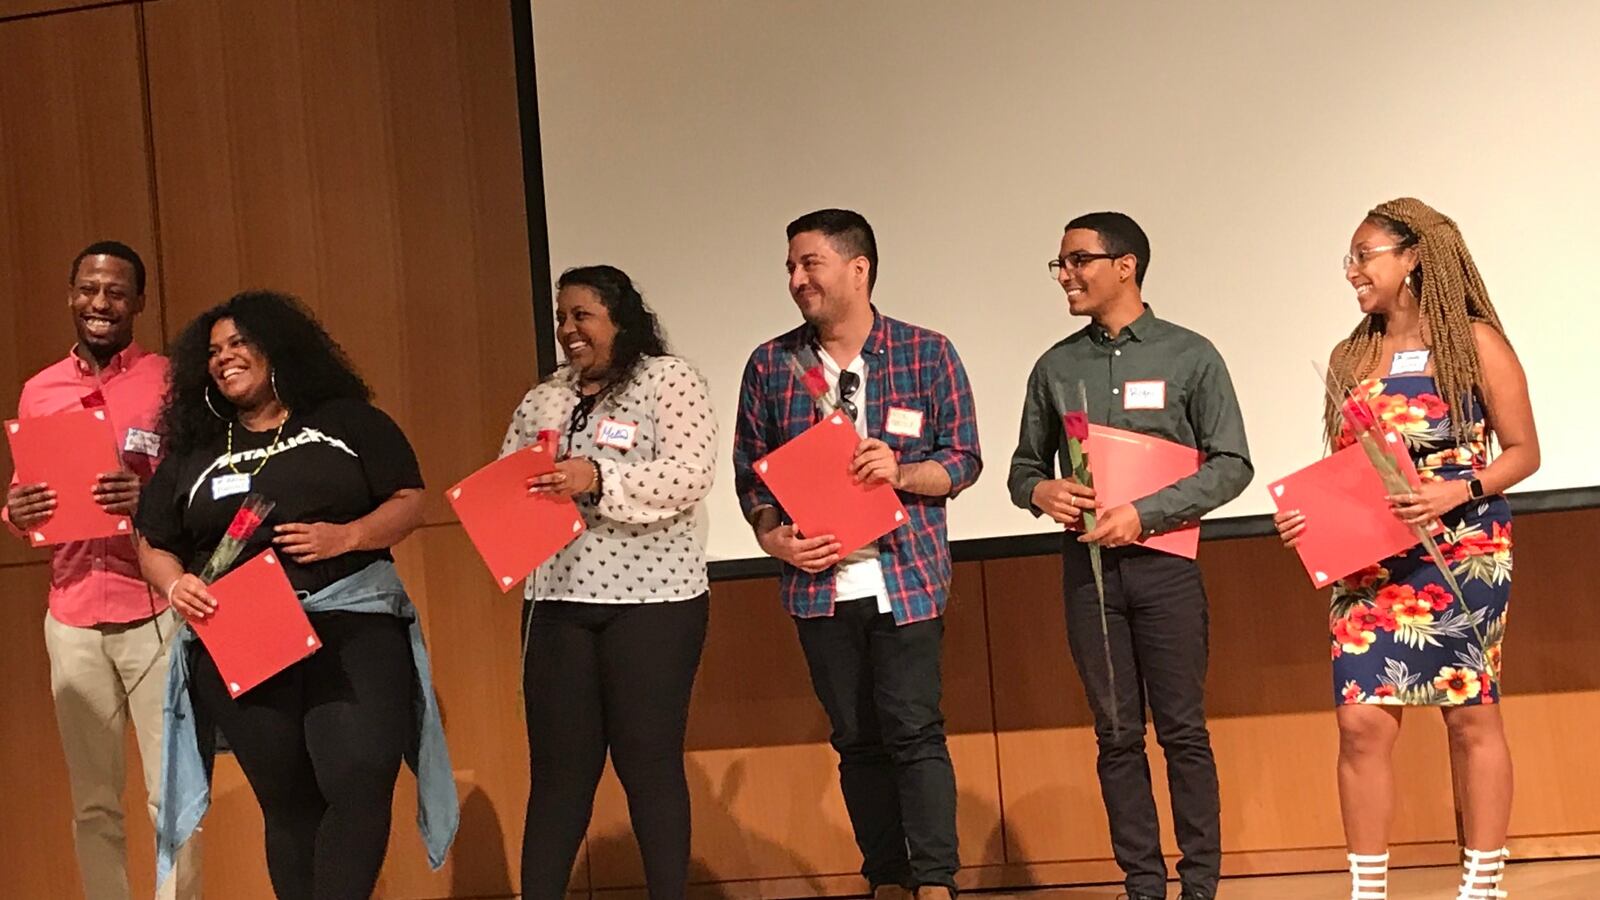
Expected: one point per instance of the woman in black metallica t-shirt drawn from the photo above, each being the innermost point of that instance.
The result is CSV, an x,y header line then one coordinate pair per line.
x,y
262,400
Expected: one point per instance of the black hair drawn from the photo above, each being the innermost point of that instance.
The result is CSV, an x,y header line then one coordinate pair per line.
x,y
309,368
638,330
1120,235
848,231
115,249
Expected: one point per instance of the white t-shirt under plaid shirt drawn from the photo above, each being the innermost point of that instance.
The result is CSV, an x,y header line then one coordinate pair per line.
x,y
643,542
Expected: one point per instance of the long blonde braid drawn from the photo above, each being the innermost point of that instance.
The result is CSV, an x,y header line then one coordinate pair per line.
x,y
1451,299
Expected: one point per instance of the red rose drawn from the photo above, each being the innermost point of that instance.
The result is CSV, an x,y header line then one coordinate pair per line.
x,y
245,522
1076,424
816,382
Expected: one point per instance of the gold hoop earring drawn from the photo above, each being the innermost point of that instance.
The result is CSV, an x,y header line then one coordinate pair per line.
x,y
207,393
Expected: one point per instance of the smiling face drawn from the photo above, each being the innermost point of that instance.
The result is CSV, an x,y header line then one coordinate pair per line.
x,y
1378,267
585,329
238,367
823,283
104,301
1092,284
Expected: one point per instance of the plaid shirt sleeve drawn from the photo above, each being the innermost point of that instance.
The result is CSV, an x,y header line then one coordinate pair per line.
x,y
956,437
751,437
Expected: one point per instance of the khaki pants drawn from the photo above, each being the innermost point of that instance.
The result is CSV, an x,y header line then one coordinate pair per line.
x,y
100,677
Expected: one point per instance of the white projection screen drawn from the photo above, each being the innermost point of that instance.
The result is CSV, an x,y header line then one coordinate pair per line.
x,y
1248,138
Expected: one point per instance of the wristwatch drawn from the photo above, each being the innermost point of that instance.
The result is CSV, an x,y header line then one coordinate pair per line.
x,y
1474,489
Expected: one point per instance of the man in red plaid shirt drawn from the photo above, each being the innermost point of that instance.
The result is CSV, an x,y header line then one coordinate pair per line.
x,y
870,621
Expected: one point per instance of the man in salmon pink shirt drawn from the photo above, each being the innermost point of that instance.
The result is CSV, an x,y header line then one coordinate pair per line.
x,y
107,634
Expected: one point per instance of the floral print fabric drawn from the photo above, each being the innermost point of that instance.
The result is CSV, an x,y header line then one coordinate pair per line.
x,y
1399,636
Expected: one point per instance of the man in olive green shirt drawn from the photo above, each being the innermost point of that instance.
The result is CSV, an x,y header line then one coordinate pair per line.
x,y
1147,375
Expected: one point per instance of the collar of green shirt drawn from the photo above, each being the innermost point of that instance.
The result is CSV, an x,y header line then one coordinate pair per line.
x,y
1136,330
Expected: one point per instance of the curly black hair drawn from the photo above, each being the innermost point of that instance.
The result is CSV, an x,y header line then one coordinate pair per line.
x,y
309,367
638,331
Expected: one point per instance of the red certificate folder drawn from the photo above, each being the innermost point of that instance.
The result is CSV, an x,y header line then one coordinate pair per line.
x,y
259,628
69,452
1128,466
514,531
811,478
1349,524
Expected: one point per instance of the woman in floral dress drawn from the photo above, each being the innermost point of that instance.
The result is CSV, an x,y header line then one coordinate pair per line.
x,y
1432,361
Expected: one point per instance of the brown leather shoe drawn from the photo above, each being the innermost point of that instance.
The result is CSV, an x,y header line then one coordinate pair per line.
x,y
890,892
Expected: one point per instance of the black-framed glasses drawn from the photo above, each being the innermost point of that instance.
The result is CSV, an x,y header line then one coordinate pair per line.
x,y
849,383
1077,260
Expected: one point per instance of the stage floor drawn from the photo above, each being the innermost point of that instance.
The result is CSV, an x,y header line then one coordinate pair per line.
x,y
1572,879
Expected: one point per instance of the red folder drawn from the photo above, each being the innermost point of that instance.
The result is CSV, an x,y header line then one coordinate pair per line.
x,y
1349,524
69,452
811,478
1128,466
259,628
514,531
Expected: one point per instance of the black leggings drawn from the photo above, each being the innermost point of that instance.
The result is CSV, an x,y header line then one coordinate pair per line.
x,y
321,744
601,675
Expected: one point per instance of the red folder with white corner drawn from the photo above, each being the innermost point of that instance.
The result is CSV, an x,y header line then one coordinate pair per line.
x,y
259,627
515,531
811,477
1128,466
1349,524
69,452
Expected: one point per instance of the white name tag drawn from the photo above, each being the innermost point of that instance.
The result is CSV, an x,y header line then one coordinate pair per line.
x,y
904,422
141,441
1409,362
1144,395
621,435
228,485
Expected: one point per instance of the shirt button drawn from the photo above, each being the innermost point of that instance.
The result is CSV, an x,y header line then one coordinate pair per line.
x,y
1116,353
1116,390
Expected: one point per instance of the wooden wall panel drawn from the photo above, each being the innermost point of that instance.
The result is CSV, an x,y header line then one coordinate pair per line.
x,y
365,156
36,824
379,178
759,762
1270,699
73,170
10,8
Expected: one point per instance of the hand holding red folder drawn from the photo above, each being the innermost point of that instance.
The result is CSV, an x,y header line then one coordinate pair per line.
x,y
68,452
1129,466
515,531
258,628
810,476
1349,523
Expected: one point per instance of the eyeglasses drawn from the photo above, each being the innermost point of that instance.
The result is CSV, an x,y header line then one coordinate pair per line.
x,y
849,383
1073,261
1360,257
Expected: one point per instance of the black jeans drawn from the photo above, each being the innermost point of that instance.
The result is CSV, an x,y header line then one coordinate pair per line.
x,y
321,744
1157,620
617,676
879,683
